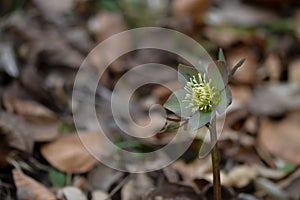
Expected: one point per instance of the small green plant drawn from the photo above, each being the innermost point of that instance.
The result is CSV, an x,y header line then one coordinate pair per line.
x,y
205,93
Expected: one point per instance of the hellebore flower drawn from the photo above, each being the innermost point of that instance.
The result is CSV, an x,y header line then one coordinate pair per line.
x,y
205,92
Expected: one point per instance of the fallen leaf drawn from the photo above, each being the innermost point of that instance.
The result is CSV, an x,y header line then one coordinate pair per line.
x,y
107,175
16,131
191,8
106,24
240,93
100,195
137,187
55,9
8,61
273,67
248,15
251,125
39,192
80,182
291,184
29,109
270,188
227,192
239,176
73,193
281,137
193,170
68,154
274,99
270,173
243,196
294,71
173,191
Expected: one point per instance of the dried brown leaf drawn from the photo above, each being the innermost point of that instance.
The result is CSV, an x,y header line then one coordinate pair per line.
x,y
29,109
294,72
282,137
39,192
73,193
137,187
68,153
191,8
16,131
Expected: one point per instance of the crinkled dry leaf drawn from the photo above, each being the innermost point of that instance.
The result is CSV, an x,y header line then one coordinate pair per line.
x,y
39,192
8,61
107,175
274,99
239,176
137,187
68,154
294,71
173,191
54,9
16,131
270,188
273,67
29,109
243,15
23,133
73,193
282,137
106,24
194,170
100,195
191,8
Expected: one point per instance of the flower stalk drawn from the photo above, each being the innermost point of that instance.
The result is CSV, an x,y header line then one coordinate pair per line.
x,y
215,158
205,93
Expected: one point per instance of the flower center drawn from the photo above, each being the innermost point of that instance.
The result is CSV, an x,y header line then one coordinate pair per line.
x,y
201,95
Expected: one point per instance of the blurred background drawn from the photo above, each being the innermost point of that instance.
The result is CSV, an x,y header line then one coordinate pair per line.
x,y
42,45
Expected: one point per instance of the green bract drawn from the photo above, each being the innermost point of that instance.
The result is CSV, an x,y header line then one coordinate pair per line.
x,y
205,92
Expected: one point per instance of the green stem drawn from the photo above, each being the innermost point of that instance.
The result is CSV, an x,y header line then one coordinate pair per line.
x,y
215,160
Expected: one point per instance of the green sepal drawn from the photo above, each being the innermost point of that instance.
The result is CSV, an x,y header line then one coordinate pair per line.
x,y
176,104
199,119
221,56
238,65
218,73
186,72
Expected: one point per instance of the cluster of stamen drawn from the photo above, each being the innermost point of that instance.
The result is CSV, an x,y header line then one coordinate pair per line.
x,y
201,94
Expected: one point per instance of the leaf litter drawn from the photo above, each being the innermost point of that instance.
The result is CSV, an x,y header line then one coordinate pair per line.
x,y
42,46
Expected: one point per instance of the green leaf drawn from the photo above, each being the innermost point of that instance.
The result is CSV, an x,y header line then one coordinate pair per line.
x,y
221,56
238,65
185,73
199,119
225,97
228,95
129,144
201,67
288,168
176,104
224,70
57,178
218,73
111,5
